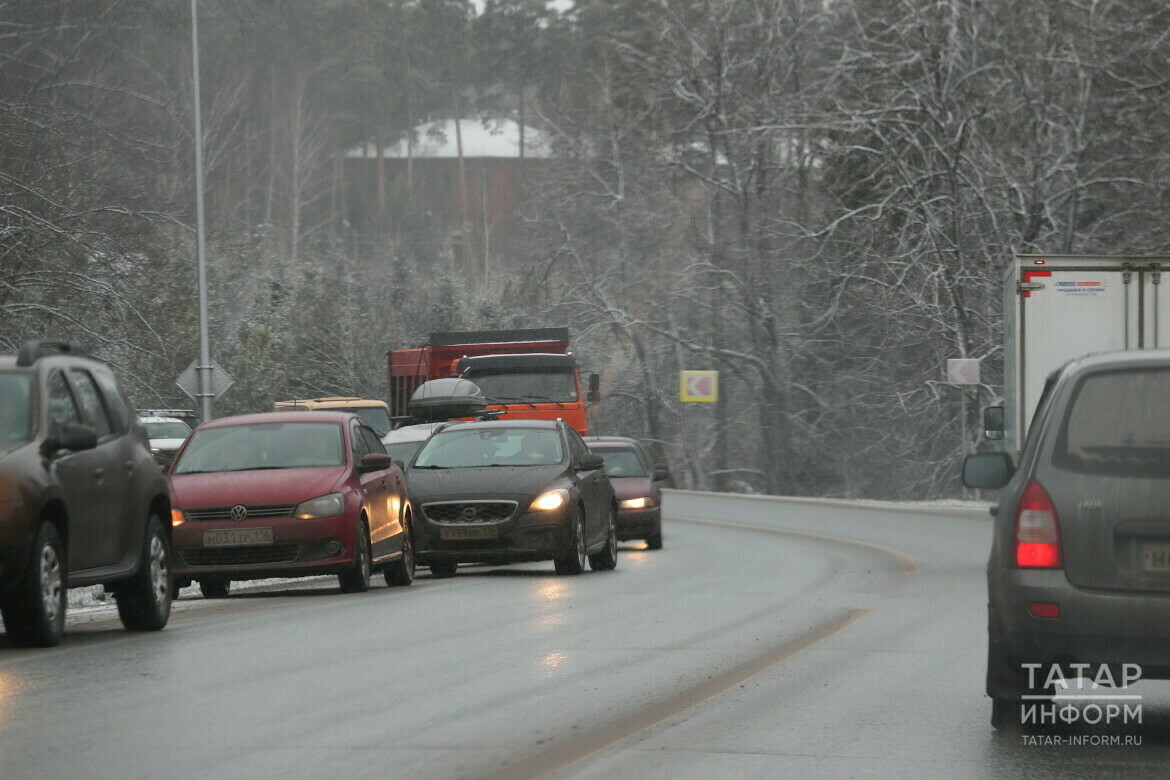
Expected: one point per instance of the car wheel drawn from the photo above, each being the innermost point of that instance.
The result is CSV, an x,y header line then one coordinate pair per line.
x,y
654,541
573,561
357,579
443,568
215,588
401,571
606,558
34,614
144,601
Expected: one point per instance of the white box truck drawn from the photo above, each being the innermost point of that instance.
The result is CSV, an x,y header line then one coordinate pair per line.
x,y
1060,307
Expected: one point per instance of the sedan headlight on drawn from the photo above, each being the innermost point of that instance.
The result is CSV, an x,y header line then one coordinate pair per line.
x,y
636,503
553,499
325,506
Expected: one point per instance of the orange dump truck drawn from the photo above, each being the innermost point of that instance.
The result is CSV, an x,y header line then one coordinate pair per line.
x,y
528,374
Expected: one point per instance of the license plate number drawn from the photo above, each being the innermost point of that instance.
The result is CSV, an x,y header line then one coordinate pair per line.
x,y
1156,556
234,537
475,532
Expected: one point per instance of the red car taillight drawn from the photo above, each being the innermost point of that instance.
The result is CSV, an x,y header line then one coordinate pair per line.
x,y
1037,530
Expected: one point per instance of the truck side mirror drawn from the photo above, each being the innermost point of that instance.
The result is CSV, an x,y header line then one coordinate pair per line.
x,y
993,422
594,394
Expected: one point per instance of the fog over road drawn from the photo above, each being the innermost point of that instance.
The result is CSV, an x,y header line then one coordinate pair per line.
x,y
769,638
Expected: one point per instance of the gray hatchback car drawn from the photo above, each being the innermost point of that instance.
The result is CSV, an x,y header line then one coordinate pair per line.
x,y
1079,575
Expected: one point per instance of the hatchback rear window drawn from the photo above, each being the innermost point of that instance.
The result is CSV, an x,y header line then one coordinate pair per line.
x,y
1118,423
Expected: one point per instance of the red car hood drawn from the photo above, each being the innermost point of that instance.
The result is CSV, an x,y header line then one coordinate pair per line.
x,y
631,487
275,487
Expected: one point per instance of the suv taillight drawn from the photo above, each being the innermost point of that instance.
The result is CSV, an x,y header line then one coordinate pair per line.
x,y
1037,530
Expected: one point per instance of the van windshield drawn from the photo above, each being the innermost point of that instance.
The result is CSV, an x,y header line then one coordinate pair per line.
x,y
1118,423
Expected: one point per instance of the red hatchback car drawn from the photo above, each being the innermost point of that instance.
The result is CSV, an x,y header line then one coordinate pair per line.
x,y
288,494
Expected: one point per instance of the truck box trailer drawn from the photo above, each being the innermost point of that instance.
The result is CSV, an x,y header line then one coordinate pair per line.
x,y
1060,307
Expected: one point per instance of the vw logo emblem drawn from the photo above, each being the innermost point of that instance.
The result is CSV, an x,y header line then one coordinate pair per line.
x,y
239,512
469,513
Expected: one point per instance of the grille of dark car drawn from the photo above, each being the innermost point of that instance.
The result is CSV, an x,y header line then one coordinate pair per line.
x,y
225,513
241,556
485,512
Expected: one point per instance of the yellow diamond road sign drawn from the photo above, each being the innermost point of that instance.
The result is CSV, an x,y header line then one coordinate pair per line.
x,y
698,386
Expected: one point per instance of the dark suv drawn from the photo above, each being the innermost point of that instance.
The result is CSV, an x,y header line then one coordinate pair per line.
x,y
82,501
1078,579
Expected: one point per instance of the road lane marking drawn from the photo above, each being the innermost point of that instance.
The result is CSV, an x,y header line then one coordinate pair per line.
x,y
591,743
905,561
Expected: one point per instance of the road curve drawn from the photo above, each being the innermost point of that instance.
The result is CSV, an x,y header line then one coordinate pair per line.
x,y
769,638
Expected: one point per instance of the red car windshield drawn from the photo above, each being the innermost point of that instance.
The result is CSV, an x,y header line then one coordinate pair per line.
x,y
620,462
287,445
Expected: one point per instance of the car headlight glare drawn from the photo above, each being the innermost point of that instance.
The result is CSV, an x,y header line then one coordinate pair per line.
x,y
325,506
553,499
637,503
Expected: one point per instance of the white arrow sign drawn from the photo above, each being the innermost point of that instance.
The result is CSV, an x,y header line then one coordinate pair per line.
x,y
963,371
698,386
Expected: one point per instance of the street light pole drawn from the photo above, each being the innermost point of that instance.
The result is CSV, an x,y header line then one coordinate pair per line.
x,y
204,369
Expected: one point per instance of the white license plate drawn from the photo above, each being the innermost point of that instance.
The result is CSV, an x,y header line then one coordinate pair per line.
x,y
234,537
473,532
1156,556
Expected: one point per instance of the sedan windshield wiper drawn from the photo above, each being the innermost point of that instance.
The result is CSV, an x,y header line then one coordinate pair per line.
x,y
432,467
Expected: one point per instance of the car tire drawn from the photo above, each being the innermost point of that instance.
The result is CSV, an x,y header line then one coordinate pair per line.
x,y
400,572
573,561
443,569
34,613
605,559
654,541
215,587
144,601
357,579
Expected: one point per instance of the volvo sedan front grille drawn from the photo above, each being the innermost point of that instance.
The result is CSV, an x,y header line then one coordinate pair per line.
x,y
225,513
252,554
457,512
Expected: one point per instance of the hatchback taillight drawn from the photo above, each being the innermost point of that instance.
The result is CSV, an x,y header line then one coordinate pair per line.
x,y
1037,530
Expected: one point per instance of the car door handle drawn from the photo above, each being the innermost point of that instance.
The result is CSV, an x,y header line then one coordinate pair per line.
x,y
129,466
99,473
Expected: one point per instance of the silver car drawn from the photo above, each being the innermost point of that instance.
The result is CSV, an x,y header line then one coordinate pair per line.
x,y
1079,576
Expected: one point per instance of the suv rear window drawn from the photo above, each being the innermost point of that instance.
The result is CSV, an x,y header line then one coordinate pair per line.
x,y
15,407
1118,423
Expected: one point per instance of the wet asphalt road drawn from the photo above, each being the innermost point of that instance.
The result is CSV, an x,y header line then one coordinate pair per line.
x,y
768,639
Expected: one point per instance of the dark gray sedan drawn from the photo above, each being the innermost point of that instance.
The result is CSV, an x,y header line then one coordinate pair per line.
x,y
506,492
1079,574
